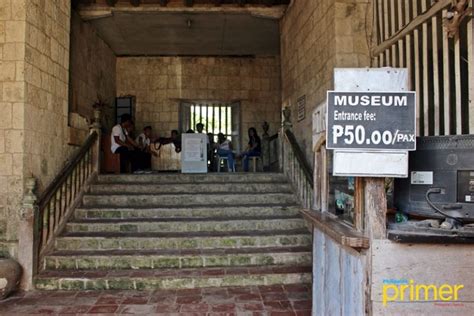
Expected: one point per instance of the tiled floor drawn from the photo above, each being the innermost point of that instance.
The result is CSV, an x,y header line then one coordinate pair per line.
x,y
264,300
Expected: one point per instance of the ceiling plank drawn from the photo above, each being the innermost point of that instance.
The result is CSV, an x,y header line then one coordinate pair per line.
x,y
96,11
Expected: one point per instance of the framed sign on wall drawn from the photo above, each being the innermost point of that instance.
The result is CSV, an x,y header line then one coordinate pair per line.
x,y
301,105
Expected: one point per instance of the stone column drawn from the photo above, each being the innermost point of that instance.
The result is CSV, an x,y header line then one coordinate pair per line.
x,y
27,254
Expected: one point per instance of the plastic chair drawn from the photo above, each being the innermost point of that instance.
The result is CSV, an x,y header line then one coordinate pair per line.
x,y
222,159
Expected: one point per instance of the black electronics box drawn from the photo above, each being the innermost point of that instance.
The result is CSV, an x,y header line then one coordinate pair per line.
x,y
445,162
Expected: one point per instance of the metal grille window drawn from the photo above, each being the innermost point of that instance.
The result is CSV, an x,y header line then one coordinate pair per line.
x,y
216,117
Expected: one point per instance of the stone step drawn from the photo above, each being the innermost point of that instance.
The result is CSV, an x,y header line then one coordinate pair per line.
x,y
196,212
185,240
186,224
174,178
171,278
163,200
177,259
216,187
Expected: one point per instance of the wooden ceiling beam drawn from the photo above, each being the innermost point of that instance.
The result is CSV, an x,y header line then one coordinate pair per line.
x,y
188,3
98,11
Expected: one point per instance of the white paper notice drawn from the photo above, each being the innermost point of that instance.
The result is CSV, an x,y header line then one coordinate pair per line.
x,y
194,149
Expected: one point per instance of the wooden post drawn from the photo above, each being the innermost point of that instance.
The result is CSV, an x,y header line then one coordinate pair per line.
x,y
375,201
446,83
375,208
286,125
470,57
266,155
27,252
96,127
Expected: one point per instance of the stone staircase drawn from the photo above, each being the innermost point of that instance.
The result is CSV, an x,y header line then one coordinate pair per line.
x,y
170,231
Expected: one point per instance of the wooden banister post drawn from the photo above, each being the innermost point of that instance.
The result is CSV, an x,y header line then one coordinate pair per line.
x,y
375,208
285,125
265,147
286,118
27,252
96,127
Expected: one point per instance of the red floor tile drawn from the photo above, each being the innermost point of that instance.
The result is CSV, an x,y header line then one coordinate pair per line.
x,y
103,309
263,300
223,308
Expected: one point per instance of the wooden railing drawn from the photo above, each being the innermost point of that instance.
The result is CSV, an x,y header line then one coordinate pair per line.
x,y
434,41
297,169
270,152
43,217
57,198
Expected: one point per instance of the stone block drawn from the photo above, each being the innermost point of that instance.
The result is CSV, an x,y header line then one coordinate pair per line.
x,y
13,91
7,71
15,31
72,285
18,9
6,164
18,163
3,184
5,10
14,141
5,117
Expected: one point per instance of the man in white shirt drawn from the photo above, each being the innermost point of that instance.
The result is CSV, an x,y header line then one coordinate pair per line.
x,y
121,145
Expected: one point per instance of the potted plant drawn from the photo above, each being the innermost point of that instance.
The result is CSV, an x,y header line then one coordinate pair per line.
x,y
99,105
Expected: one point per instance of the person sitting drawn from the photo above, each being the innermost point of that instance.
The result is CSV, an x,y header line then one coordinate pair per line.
x,y
143,142
211,151
174,139
200,128
254,148
224,149
138,154
121,145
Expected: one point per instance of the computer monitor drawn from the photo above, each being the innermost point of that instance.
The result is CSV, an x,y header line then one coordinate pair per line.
x,y
444,162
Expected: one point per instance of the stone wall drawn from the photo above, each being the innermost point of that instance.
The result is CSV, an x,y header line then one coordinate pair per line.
x,y
160,82
12,97
34,76
316,37
46,88
92,73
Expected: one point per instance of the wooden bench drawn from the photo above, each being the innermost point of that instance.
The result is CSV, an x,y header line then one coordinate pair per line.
x,y
110,162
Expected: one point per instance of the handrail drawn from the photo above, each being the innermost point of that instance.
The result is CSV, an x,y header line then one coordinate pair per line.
x,y
299,155
56,203
272,138
297,169
66,171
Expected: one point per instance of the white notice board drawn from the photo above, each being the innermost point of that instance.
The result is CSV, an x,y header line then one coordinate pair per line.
x,y
194,153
